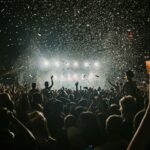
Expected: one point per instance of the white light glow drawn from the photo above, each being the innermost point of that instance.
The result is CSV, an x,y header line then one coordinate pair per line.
x,y
75,76
96,64
86,64
45,63
57,64
91,76
75,64
67,64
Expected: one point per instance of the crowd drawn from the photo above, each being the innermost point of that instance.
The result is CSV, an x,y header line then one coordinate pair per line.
x,y
66,119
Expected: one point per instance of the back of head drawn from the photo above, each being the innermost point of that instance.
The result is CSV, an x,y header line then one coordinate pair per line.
x,y
33,85
46,84
128,105
129,74
69,120
38,124
114,109
5,101
113,125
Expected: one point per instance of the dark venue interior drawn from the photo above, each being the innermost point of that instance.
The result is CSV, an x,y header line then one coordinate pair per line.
x,y
75,74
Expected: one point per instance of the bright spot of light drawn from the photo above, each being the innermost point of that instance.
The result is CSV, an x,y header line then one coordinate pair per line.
x,y
86,64
91,76
62,77
45,63
75,76
69,77
55,77
75,64
57,64
96,64
67,64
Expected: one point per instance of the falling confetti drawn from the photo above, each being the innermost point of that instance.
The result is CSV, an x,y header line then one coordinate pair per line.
x,y
114,32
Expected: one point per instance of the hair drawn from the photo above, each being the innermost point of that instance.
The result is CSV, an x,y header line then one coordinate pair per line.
x,y
46,83
38,124
113,124
130,74
33,85
128,104
69,121
5,101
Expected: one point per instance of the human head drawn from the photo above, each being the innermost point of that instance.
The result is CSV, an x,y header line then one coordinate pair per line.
x,y
33,85
127,106
5,101
129,74
46,84
113,125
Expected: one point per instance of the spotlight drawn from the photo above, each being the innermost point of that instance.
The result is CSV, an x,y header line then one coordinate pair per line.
x,y
75,76
45,63
75,64
57,64
69,77
62,77
91,76
55,77
96,64
86,64
67,64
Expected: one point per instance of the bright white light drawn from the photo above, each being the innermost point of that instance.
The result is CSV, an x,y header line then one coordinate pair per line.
x,y
69,77
96,64
75,76
57,64
67,64
91,76
86,64
45,63
62,77
55,77
76,64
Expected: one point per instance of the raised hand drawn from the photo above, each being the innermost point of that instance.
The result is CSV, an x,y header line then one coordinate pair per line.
x,y
76,84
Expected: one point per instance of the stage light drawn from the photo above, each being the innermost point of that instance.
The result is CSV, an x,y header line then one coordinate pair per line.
x,y
96,64
69,77
67,64
75,64
62,77
75,76
86,64
57,64
91,76
45,63
55,77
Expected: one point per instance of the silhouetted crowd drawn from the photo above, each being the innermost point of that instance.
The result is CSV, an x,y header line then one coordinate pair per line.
x,y
66,119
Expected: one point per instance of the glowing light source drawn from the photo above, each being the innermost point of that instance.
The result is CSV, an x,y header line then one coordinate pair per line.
x,y
86,64
91,76
75,76
45,63
75,64
55,77
96,64
57,64
67,64
69,77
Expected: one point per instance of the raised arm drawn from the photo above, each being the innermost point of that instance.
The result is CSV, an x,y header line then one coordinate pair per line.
x,y
76,84
52,82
